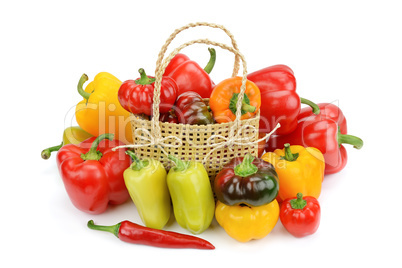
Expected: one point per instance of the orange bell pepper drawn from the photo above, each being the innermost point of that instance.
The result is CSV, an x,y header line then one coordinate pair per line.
x,y
300,170
224,97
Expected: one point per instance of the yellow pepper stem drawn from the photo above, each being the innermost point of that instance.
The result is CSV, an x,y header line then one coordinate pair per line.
x,y
180,165
289,156
138,164
81,83
48,151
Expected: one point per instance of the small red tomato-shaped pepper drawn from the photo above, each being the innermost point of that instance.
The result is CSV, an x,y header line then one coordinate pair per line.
x,y
281,103
92,173
136,96
191,109
300,215
169,117
248,180
189,76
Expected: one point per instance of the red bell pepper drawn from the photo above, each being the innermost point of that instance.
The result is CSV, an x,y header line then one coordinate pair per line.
x,y
280,102
92,173
189,76
136,96
300,215
325,131
136,234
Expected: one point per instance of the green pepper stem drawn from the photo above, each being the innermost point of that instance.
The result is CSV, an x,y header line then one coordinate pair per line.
x,y
114,229
81,83
246,167
316,109
138,164
180,165
211,63
48,151
93,153
144,79
248,108
350,139
299,202
289,156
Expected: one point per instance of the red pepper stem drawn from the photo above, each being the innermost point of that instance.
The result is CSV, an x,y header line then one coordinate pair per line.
x,y
144,79
350,139
299,202
289,156
138,164
211,63
81,83
114,229
246,167
93,153
48,151
316,109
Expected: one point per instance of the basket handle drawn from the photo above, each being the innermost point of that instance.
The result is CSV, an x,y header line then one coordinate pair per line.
x,y
161,69
191,25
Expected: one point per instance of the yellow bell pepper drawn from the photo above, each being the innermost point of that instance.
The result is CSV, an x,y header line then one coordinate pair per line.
x,y
100,111
245,223
300,170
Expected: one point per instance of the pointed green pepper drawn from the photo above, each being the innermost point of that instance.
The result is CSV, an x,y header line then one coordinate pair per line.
x,y
191,193
146,182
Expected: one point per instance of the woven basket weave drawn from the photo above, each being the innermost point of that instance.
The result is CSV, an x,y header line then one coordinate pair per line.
x,y
215,144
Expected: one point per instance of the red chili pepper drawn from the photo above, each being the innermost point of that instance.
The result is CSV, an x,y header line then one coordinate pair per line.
x,y
301,215
169,117
133,233
281,103
189,76
136,96
323,132
191,109
92,173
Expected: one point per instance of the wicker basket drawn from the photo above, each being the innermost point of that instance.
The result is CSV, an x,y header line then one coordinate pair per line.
x,y
214,145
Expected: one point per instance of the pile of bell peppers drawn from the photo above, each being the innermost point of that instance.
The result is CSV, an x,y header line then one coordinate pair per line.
x,y
247,197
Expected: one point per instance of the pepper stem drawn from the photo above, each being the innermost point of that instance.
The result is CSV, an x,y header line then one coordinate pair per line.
x,y
245,107
81,83
350,139
114,229
299,202
93,153
48,151
138,164
246,167
144,79
316,109
289,156
180,165
211,63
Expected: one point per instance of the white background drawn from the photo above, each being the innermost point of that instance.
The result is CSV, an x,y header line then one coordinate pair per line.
x,y
348,52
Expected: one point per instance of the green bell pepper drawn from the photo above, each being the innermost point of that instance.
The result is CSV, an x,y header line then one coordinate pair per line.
x,y
146,182
191,193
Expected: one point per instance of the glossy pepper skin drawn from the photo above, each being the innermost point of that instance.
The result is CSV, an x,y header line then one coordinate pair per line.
x,y
282,104
224,98
146,182
191,109
245,223
92,173
299,170
136,96
136,234
189,76
100,111
74,135
247,180
191,194
300,215
324,133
